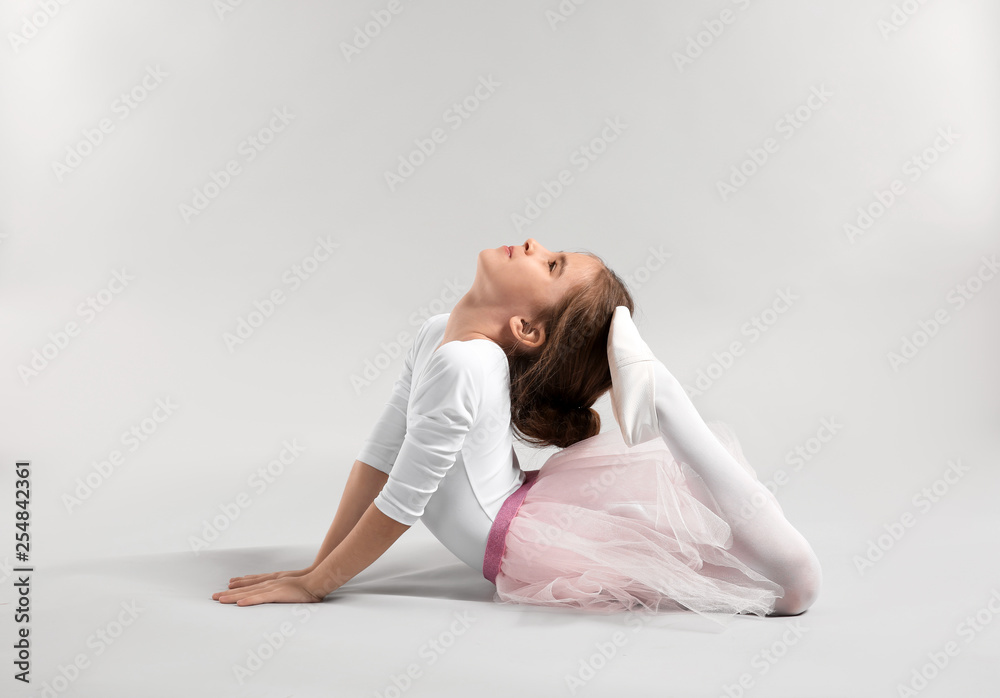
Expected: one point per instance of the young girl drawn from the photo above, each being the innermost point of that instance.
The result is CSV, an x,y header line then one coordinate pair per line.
x,y
662,514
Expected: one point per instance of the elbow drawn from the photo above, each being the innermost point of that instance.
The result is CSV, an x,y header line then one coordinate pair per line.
x,y
390,516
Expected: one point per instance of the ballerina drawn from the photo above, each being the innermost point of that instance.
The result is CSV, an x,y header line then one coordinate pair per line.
x,y
663,513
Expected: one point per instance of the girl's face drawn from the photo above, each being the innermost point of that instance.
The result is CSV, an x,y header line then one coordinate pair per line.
x,y
527,278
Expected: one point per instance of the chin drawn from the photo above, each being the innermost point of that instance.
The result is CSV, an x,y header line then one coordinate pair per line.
x,y
491,256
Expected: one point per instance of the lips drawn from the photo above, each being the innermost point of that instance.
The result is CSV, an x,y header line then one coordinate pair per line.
x,y
509,250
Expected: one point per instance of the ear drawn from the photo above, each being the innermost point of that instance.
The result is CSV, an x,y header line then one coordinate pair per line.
x,y
528,335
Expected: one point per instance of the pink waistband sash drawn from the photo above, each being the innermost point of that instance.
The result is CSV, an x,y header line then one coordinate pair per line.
x,y
496,543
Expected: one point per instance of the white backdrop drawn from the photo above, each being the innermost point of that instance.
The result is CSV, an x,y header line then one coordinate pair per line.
x,y
802,196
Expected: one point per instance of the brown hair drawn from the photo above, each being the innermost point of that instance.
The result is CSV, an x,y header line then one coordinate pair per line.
x,y
552,390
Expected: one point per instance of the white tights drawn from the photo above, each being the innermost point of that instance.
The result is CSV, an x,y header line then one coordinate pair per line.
x,y
762,537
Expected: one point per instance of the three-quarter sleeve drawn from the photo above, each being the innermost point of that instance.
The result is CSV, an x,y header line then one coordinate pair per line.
x,y
446,401
382,445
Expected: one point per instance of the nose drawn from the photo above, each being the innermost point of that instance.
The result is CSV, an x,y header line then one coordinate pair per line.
x,y
531,246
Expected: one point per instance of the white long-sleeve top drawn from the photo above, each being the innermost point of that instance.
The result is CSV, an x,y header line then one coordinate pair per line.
x,y
444,438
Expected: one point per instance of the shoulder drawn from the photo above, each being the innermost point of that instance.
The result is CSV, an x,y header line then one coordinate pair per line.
x,y
460,356
476,364
433,326
435,321
452,379
478,358
428,334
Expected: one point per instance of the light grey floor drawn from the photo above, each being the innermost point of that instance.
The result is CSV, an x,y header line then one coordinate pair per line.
x,y
419,609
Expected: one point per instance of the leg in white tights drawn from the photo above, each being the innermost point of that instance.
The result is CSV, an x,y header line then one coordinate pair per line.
x,y
764,540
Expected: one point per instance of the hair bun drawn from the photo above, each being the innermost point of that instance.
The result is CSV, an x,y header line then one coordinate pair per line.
x,y
582,422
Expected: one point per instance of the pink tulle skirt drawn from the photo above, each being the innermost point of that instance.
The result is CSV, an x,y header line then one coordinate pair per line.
x,y
608,528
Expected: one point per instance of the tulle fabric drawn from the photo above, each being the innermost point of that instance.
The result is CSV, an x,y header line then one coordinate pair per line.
x,y
608,528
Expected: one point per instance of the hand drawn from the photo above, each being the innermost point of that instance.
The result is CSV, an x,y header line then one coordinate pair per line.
x,y
251,579
286,590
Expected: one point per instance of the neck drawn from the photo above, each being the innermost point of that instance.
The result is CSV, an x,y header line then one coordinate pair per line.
x,y
470,319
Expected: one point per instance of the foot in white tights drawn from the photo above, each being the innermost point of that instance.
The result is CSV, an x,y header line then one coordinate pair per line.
x,y
762,537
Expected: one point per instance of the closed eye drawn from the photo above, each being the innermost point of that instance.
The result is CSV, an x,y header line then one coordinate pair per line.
x,y
551,264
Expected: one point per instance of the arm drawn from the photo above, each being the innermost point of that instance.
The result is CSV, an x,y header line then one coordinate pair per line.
x,y
385,439
367,476
375,460
445,404
444,407
363,485
365,543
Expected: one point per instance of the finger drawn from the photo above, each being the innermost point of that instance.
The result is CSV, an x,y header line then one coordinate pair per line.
x,y
219,595
256,588
246,582
264,575
255,599
275,595
226,596
233,596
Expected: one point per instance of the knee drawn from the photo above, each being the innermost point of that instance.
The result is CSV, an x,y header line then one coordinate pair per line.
x,y
801,583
